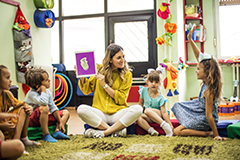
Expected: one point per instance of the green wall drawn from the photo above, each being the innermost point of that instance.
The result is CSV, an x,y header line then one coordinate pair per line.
x,y
188,85
41,39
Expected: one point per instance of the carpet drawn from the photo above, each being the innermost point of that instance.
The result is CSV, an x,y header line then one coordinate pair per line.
x,y
136,147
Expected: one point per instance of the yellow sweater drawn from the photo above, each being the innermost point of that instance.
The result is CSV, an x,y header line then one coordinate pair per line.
x,y
101,99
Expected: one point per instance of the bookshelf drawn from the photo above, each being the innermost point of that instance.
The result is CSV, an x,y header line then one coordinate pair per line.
x,y
199,21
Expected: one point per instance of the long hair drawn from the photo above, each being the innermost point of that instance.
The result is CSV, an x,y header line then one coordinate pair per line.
x,y
106,68
34,77
6,95
214,78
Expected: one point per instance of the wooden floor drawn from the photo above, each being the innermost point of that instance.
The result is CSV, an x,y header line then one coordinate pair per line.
x,y
76,125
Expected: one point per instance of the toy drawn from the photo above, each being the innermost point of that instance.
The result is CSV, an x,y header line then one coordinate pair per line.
x,y
163,10
226,109
181,65
234,98
170,81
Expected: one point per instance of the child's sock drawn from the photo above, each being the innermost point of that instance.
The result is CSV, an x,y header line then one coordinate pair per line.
x,y
152,131
47,137
27,142
167,128
60,135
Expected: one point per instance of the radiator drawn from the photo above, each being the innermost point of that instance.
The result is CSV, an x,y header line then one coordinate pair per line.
x,y
51,73
236,76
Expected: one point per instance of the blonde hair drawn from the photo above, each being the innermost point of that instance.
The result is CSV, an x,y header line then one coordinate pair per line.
x,y
106,68
214,78
6,95
34,77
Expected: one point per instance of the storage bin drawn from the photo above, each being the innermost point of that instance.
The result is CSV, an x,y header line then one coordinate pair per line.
x,y
44,19
226,109
47,4
237,107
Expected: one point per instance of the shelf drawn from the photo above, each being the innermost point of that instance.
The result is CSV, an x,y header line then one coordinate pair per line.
x,y
193,18
195,41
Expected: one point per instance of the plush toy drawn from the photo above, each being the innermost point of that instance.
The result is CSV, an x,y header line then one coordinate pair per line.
x,y
170,81
181,65
163,10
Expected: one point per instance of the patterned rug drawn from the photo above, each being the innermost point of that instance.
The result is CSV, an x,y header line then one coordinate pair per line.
x,y
136,147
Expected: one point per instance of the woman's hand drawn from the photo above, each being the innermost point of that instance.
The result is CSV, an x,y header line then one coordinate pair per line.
x,y
101,79
189,36
28,109
220,138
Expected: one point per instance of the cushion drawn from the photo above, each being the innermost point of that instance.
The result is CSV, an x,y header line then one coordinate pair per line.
x,y
157,127
222,126
233,130
36,132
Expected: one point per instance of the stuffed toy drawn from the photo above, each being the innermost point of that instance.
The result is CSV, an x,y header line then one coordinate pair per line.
x,y
170,81
164,10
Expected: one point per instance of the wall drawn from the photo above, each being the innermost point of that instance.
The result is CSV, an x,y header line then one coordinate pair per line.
x,y
41,39
188,85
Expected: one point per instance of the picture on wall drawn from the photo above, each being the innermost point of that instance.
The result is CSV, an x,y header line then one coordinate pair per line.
x,y
85,64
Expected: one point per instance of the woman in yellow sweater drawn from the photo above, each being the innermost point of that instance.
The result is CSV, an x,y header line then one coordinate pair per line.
x,y
109,112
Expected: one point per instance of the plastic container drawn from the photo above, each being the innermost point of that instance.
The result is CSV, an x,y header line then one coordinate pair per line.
x,y
47,4
237,107
226,109
41,18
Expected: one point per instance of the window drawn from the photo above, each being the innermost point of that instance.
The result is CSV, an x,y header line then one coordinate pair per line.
x,y
228,37
84,26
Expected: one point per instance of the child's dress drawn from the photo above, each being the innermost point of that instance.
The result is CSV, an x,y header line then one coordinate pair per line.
x,y
9,135
149,102
191,114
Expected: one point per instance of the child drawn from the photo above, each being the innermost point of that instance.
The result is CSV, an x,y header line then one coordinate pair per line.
x,y
154,102
42,101
11,149
13,128
198,117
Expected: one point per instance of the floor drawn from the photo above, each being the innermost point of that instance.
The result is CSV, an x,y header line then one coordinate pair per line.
x,y
76,125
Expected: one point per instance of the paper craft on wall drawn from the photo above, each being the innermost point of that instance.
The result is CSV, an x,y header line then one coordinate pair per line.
x,y
85,64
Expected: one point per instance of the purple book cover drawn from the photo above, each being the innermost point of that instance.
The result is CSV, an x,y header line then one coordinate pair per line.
x,y
85,64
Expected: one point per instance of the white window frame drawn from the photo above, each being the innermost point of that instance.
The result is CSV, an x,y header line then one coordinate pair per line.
x,y
217,41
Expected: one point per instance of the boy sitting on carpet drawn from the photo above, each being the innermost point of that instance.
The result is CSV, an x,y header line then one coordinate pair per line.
x,y
42,101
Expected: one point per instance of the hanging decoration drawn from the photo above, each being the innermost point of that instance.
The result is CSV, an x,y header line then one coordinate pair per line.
x,y
170,81
170,29
43,16
22,45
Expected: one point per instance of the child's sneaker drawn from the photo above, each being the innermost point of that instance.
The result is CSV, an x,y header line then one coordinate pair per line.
x,y
60,135
121,133
49,138
25,153
153,132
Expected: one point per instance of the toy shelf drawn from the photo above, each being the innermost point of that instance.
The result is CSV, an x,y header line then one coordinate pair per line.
x,y
189,19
